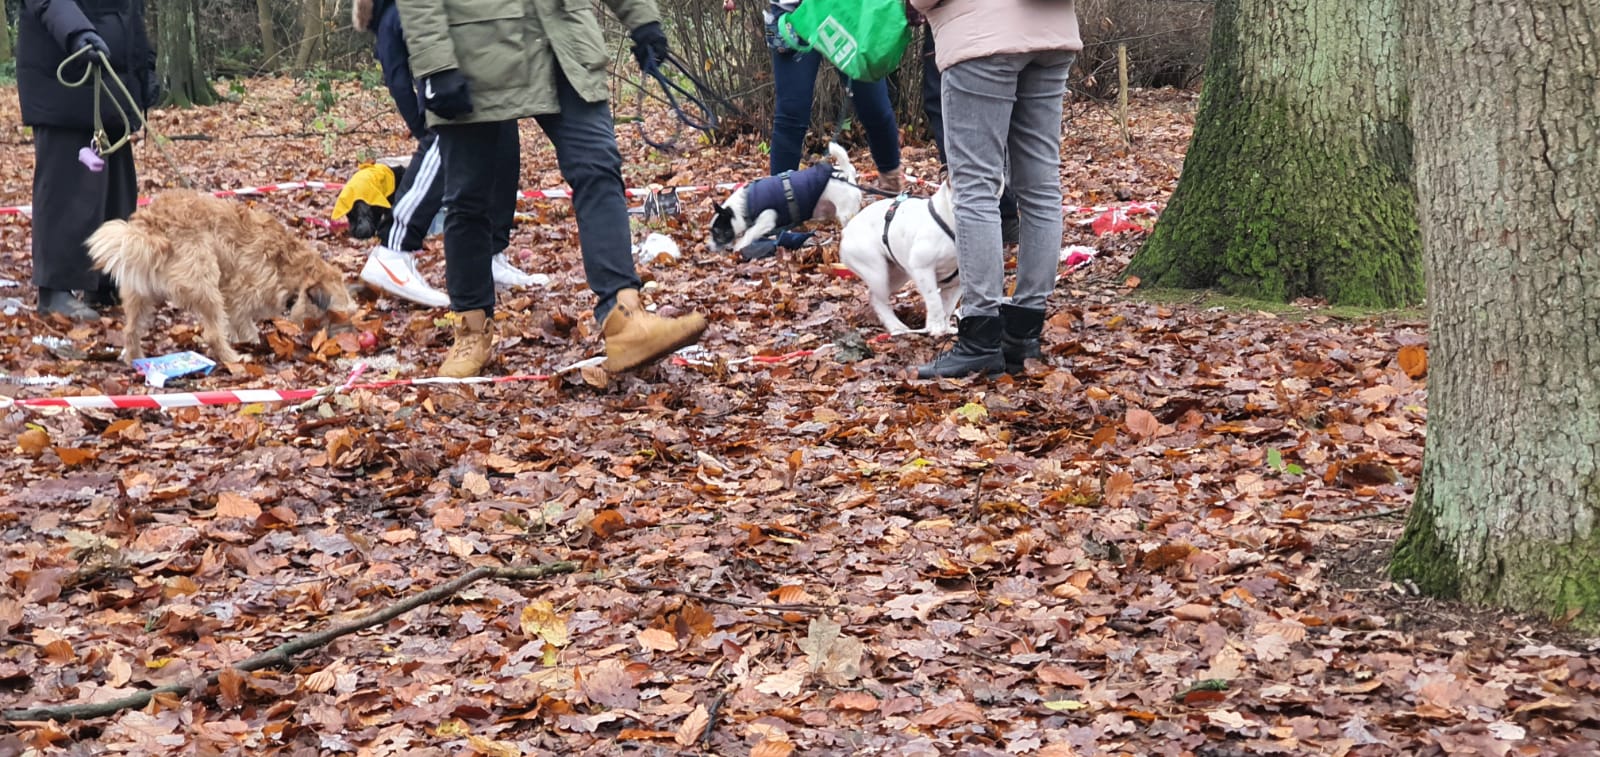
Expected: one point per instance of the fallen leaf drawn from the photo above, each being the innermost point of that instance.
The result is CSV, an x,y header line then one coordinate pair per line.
x,y
73,457
33,442
1142,423
1413,359
858,701
539,620
658,640
693,726
231,505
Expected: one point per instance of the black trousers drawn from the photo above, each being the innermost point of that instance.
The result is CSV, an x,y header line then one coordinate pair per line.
x,y
585,141
421,194
933,110
70,202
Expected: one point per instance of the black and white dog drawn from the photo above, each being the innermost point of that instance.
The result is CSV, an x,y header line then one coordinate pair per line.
x,y
766,205
907,238
367,220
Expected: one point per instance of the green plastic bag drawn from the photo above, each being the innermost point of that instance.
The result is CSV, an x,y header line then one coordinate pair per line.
x,y
865,39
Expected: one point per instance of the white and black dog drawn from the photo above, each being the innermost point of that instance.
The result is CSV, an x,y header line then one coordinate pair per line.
x,y
907,238
766,205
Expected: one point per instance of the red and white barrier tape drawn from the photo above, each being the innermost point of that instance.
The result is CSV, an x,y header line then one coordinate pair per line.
x,y
693,355
27,210
562,193
253,396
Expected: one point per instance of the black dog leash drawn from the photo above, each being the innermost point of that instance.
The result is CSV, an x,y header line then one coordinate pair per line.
x,y
705,122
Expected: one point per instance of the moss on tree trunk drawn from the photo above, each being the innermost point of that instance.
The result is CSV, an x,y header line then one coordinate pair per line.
x,y
1298,180
1508,173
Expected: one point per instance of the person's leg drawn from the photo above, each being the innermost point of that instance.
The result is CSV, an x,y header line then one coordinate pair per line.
x,y
469,151
981,93
932,104
507,190
508,174
418,198
392,266
883,133
68,205
586,151
1035,151
794,80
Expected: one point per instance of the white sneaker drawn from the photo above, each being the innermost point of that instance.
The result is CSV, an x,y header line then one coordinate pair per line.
x,y
508,276
396,273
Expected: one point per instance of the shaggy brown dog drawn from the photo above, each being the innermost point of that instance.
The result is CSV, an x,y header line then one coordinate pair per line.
x,y
230,264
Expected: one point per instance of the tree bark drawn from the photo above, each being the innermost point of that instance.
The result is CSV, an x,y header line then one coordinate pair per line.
x,y
269,38
5,33
1507,118
310,33
1298,179
178,54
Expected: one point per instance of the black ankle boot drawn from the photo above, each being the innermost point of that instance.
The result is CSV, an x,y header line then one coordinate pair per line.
x,y
61,301
977,350
1019,340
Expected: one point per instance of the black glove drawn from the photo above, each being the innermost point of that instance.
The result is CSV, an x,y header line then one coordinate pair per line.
x,y
89,38
445,93
649,46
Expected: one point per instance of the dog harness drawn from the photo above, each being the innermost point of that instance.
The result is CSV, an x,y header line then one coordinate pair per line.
x,y
888,218
792,194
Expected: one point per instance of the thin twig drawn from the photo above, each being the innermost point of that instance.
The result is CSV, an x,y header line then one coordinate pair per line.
x,y
281,654
633,587
711,720
1357,516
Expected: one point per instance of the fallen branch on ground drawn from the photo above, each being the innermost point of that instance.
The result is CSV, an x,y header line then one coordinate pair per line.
x,y
280,654
1357,516
770,607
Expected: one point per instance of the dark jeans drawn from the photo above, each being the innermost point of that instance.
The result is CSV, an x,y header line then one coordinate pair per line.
x,y
70,202
586,152
794,78
421,194
933,110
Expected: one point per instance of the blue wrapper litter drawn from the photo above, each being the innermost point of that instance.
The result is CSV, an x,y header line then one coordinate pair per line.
x,y
158,371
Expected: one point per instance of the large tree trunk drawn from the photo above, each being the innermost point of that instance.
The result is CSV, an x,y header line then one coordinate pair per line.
x,y
1298,181
178,54
310,33
269,38
1508,173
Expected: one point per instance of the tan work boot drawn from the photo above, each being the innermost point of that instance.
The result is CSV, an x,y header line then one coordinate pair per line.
x,y
893,182
635,337
474,345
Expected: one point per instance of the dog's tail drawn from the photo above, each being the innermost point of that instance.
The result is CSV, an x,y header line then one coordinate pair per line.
x,y
129,251
841,161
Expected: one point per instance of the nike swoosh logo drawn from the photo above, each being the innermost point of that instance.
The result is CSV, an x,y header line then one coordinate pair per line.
x,y
396,279
427,90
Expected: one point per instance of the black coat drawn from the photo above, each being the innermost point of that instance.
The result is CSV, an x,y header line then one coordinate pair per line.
x,y
45,28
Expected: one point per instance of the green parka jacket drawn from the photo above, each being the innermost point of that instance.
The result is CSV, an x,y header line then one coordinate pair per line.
x,y
509,50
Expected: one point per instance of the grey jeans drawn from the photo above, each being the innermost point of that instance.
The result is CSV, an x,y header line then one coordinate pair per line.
x,y
995,106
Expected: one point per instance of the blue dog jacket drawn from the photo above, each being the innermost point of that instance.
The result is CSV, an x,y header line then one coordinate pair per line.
x,y
793,194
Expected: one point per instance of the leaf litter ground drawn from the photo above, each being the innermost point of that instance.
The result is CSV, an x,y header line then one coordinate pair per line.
x,y
1165,539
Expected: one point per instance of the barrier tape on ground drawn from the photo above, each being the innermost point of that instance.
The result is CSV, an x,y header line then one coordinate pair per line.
x,y
693,355
254,396
561,193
